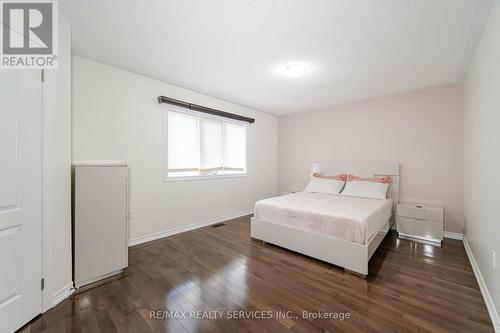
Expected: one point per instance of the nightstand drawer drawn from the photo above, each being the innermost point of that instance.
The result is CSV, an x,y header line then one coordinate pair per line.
x,y
429,229
405,225
424,229
422,212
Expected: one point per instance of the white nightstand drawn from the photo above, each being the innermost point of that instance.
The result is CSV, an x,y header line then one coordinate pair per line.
x,y
420,222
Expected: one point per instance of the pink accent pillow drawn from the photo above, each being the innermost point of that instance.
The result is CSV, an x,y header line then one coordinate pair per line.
x,y
342,176
385,179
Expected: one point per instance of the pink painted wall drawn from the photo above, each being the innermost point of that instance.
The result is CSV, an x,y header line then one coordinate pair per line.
x,y
421,130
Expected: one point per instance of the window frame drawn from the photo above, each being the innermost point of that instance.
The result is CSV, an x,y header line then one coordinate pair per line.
x,y
166,177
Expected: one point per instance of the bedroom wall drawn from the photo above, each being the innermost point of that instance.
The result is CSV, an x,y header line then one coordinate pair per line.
x,y
482,158
421,130
116,116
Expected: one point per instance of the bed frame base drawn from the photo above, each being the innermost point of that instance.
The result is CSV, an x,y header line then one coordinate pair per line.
x,y
351,256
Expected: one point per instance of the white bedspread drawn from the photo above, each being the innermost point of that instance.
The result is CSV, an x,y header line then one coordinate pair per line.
x,y
346,218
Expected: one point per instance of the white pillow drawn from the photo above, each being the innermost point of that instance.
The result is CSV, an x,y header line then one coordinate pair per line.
x,y
364,189
324,185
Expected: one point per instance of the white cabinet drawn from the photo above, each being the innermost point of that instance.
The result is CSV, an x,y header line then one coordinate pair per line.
x,y
421,222
100,221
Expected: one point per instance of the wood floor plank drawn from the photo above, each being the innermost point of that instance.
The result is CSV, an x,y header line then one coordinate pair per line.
x,y
411,287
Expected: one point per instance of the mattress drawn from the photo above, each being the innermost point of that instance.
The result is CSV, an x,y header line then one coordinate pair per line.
x,y
346,218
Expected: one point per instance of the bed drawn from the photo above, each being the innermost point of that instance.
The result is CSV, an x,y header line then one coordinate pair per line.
x,y
344,231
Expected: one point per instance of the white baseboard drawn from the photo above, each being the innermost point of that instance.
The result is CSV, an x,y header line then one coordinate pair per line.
x,y
189,227
62,293
490,305
453,235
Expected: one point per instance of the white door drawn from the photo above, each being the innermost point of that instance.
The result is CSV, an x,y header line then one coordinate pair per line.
x,y
20,197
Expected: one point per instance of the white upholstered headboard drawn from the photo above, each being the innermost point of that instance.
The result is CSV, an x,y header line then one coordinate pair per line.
x,y
364,169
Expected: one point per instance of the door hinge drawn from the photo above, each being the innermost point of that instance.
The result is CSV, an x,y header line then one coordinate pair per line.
x,y
43,75
43,284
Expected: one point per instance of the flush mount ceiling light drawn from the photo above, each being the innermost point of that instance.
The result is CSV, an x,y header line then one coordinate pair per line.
x,y
295,69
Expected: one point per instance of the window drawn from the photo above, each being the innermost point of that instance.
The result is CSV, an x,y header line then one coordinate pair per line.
x,y
203,146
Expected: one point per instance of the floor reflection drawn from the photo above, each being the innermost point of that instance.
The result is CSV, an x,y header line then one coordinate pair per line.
x,y
222,269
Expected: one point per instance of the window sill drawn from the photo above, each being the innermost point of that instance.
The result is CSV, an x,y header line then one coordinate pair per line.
x,y
207,177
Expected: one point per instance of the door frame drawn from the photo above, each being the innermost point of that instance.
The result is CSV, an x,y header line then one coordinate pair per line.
x,y
50,296
54,86
47,225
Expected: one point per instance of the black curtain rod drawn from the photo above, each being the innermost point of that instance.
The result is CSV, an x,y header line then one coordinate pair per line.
x,y
199,108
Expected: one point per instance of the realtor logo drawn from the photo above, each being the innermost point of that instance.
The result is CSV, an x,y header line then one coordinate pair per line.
x,y
29,34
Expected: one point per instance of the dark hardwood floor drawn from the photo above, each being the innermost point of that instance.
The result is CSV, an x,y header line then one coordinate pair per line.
x,y
412,287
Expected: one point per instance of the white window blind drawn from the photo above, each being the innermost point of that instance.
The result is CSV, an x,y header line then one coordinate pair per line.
x,y
211,148
235,138
182,142
204,146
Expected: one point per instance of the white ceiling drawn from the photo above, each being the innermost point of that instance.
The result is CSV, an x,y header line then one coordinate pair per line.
x,y
230,48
